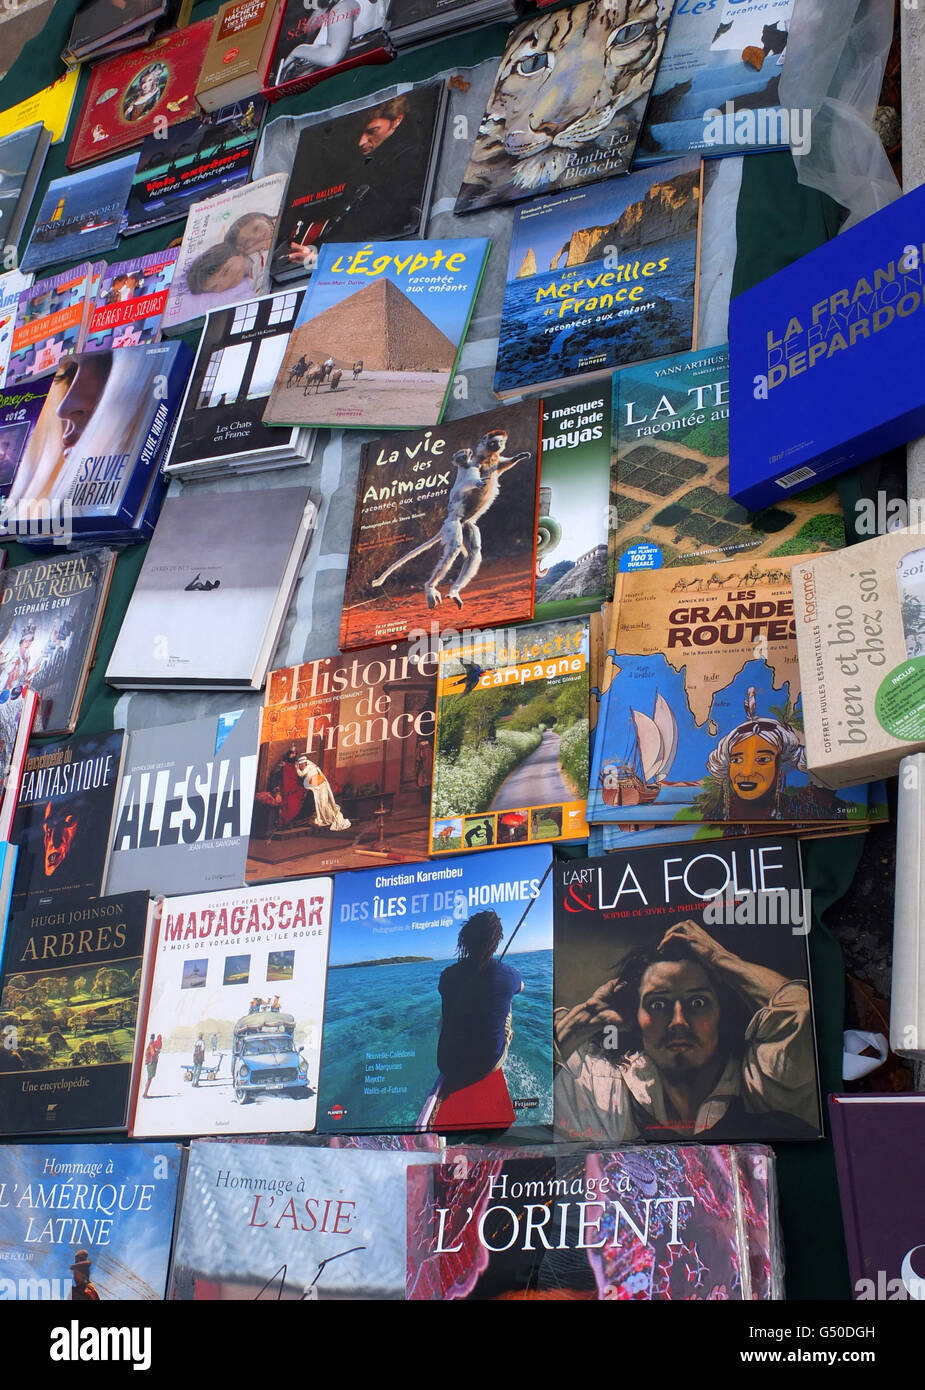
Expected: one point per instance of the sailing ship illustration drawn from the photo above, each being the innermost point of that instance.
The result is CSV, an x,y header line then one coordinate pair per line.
x,y
637,778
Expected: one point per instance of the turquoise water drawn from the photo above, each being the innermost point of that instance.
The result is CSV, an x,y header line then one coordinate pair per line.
x,y
391,1009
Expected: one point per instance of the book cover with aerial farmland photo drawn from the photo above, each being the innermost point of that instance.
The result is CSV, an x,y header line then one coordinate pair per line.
x,y
511,755
600,278
445,528
377,337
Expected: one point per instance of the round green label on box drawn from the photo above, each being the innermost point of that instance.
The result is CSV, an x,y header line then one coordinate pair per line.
x,y
900,701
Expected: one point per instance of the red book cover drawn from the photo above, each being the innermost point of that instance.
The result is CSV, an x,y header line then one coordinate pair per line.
x,y
445,529
320,38
129,93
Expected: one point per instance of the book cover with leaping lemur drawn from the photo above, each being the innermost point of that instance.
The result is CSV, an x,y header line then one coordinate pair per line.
x,y
445,528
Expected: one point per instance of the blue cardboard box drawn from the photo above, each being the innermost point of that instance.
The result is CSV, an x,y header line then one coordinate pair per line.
x,y
827,358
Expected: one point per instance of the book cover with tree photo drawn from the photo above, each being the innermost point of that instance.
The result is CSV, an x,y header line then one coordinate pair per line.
x,y
511,754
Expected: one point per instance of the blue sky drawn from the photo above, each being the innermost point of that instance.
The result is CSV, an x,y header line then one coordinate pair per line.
x,y
394,934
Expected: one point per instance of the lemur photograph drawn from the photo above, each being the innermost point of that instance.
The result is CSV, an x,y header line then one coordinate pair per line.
x,y
447,529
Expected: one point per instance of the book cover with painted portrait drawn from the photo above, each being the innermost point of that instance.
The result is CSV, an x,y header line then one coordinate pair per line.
x,y
568,101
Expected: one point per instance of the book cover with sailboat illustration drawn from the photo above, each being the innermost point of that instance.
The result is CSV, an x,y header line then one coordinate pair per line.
x,y
511,750
439,995
703,717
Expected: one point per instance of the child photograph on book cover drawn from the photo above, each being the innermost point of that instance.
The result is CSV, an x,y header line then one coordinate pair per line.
x,y
673,1021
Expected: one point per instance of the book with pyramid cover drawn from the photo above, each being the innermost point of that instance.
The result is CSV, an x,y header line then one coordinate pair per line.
x,y
378,335
703,716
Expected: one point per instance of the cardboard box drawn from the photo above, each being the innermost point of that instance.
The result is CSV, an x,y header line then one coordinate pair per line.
x,y
860,621
827,358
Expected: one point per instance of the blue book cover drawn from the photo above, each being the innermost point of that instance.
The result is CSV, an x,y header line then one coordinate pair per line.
x,y
716,87
80,214
131,299
378,335
826,358
283,1221
439,996
101,433
22,155
19,410
87,1222
703,717
212,153
50,321
600,277
11,287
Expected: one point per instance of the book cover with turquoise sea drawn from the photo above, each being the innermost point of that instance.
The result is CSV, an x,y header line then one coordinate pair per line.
x,y
600,277
396,1054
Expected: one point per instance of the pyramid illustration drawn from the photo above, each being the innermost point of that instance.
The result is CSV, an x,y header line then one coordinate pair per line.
x,y
380,325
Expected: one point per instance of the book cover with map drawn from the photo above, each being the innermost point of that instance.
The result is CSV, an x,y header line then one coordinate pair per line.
x,y
672,1223
444,532
511,752
70,992
571,559
600,278
117,1241
703,717
669,479
453,965
288,1221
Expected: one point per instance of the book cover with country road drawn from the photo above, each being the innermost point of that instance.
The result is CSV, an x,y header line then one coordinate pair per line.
x,y
511,752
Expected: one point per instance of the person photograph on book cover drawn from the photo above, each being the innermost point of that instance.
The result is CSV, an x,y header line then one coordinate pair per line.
x,y
380,154
144,91
318,34
98,405
693,1034
61,839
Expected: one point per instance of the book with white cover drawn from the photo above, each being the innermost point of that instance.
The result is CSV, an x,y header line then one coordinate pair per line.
x,y
233,1010
213,590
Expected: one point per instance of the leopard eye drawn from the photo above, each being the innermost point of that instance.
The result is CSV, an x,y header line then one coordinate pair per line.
x,y
532,63
629,33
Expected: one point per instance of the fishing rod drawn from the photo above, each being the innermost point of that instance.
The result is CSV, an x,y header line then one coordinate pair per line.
x,y
525,911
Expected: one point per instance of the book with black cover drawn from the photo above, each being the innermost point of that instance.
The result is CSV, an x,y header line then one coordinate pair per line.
x,y
682,997
50,615
70,988
237,361
367,174
878,1147
63,817
196,159
183,813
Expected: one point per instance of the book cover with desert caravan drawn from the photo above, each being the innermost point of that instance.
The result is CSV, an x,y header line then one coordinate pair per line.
x,y
378,335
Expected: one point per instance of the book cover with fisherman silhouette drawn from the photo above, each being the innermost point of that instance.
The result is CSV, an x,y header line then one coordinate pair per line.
x,y
439,995
703,717
87,1223
445,528
511,751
